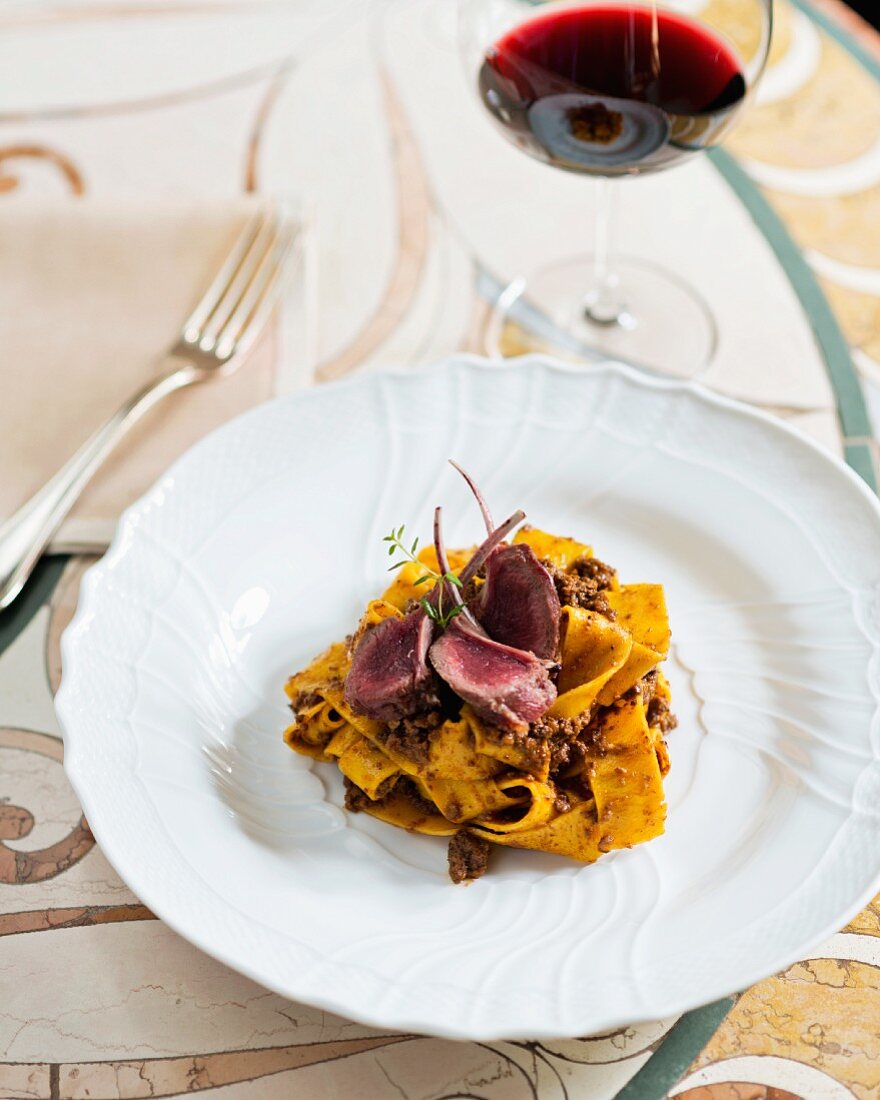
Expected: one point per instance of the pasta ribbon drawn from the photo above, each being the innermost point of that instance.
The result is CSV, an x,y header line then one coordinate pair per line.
x,y
628,805
523,754
318,720
398,809
559,551
462,801
455,753
641,611
532,800
365,765
585,779
403,588
594,649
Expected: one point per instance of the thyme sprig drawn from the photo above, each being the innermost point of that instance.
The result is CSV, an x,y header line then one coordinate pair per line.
x,y
441,615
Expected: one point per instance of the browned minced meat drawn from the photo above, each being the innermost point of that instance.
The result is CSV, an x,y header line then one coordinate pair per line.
x,y
646,688
659,714
567,738
534,747
642,692
410,736
593,569
566,756
304,700
657,710
566,729
470,590
355,799
353,640
410,791
468,856
583,584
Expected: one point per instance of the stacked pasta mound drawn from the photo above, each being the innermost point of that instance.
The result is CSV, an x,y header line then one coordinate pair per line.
x,y
455,733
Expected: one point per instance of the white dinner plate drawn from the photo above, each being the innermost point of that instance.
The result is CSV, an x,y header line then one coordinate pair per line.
x,y
262,545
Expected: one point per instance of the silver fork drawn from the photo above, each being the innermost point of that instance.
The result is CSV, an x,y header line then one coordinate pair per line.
x,y
212,341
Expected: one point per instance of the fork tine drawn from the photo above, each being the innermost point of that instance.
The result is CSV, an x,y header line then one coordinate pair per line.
x,y
259,299
238,285
192,326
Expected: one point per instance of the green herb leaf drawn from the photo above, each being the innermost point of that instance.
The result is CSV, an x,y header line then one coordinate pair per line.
x,y
443,619
395,539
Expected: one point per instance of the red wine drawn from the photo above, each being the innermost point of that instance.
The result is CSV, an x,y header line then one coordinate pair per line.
x,y
610,90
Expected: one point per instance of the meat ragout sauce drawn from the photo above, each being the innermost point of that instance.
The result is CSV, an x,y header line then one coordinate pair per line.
x,y
458,681
564,740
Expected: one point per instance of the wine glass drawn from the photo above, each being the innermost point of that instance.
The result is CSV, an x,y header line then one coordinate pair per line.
x,y
609,89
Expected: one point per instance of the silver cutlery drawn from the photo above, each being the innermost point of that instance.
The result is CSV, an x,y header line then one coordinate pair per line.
x,y
213,341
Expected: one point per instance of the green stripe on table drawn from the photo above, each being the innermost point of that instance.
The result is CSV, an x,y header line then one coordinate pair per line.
x,y
859,458
851,410
841,35
690,1035
36,593
680,1047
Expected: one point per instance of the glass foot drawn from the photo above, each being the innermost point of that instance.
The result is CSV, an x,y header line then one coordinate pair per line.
x,y
661,324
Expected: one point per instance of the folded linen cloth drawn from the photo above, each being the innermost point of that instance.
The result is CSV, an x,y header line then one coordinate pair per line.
x,y
91,294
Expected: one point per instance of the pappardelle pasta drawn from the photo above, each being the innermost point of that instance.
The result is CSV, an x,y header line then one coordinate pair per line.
x,y
442,724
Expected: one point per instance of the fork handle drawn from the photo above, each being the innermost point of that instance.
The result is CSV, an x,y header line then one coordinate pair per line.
x,y
27,533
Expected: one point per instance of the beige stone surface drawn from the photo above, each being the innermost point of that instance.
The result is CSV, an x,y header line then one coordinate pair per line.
x,y
736,20
867,923
99,999
858,315
819,126
821,1012
836,229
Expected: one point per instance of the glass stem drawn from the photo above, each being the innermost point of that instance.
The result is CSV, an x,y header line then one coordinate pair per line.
x,y
603,305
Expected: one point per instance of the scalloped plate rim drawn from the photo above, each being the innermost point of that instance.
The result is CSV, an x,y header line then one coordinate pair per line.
x,y
389,1019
